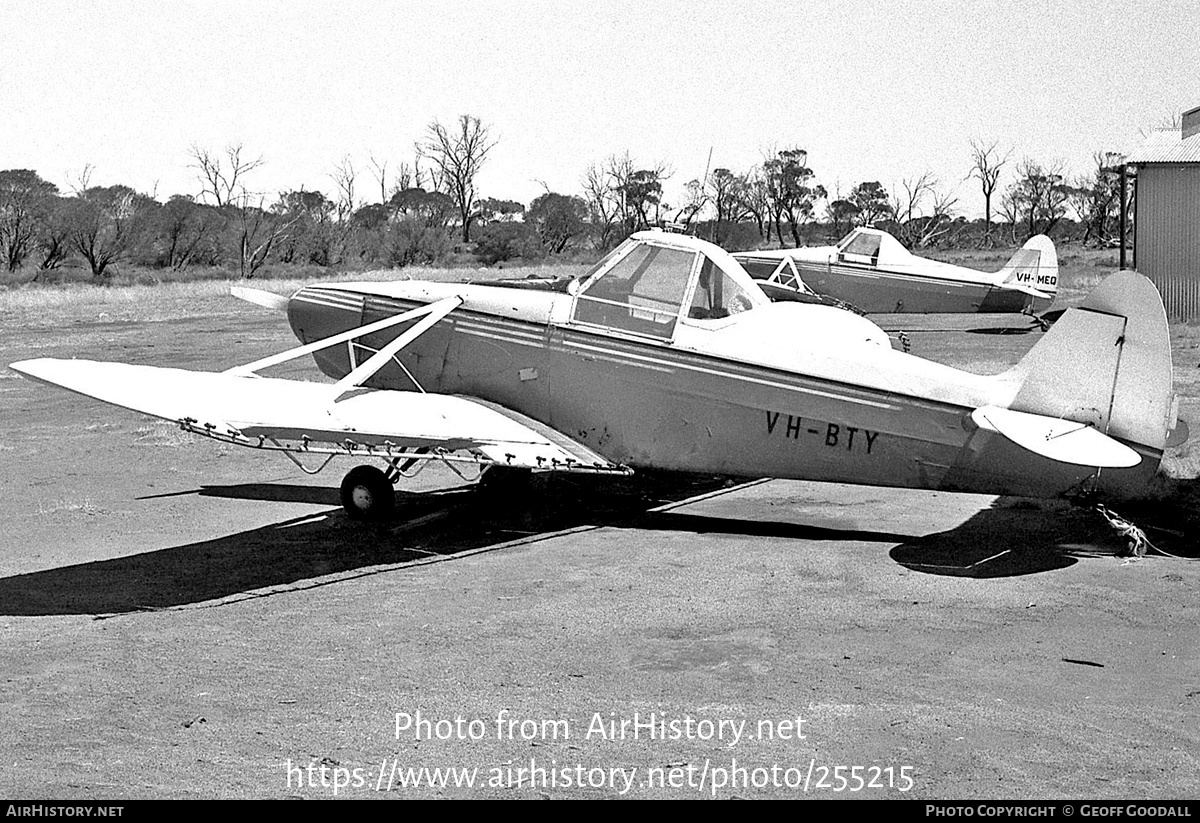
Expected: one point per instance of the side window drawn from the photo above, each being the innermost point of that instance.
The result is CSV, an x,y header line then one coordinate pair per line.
x,y
717,295
864,248
641,294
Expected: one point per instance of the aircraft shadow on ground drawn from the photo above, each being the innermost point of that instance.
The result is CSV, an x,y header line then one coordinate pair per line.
x,y
1010,538
327,546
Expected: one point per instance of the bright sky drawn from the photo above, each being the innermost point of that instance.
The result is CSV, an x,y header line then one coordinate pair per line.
x,y
873,90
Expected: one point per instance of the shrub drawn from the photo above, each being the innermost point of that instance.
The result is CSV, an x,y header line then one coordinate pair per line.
x,y
410,242
499,242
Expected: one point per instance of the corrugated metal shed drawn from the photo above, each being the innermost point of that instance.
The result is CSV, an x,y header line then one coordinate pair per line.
x,y
1167,218
1168,234
1166,147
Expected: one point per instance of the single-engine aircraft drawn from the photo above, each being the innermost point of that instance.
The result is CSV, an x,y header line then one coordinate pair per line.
x,y
871,271
668,355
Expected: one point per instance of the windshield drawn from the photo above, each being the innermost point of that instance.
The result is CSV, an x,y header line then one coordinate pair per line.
x,y
641,293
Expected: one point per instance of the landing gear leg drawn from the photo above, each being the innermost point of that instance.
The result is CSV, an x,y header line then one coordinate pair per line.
x,y
367,494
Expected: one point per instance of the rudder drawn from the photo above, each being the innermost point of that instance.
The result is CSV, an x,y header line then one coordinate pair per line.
x,y
1033,268
1106,363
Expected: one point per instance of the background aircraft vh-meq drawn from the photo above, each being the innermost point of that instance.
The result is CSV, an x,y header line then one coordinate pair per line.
x,y
871,271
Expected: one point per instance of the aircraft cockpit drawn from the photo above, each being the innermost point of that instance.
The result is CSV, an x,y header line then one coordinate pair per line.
x,y
871,247
655,280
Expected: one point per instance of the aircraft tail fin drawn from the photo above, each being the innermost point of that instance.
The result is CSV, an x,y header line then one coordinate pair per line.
x,y
1033,269
1106,363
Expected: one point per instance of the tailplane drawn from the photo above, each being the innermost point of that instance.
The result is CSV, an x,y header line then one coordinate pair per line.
x,y
1033,269
1107,364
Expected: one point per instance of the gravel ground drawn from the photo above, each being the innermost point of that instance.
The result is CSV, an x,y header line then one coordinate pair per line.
x,y
186,619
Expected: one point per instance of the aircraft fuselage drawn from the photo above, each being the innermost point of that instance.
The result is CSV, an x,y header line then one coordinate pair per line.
x,y
875,290
647,403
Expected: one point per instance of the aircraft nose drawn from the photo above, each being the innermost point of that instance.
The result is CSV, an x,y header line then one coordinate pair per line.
x,y
315,312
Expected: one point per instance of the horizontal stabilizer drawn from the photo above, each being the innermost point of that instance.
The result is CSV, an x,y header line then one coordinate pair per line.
x,y
1030,290
1066,441
300,416
258,297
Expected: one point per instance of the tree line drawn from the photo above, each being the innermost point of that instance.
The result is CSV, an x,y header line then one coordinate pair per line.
x,y
431,210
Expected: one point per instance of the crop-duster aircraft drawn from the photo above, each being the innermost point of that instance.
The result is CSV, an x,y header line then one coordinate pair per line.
x,y
871,271
668,355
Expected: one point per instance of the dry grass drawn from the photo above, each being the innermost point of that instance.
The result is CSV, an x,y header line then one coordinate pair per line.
x,y
84,302
1080,270
162,434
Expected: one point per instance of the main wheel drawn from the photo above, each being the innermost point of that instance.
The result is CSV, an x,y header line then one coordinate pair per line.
x,y
367,494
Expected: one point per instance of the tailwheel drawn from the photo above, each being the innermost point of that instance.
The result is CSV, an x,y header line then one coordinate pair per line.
x,y
367,494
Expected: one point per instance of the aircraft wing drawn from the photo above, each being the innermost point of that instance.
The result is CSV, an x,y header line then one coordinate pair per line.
x,y
299,416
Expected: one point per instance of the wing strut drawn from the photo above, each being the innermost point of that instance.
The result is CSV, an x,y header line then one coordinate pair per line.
x,y
364,372
441,308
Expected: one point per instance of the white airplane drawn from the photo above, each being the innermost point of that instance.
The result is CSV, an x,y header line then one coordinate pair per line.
x,y
871,271
667,355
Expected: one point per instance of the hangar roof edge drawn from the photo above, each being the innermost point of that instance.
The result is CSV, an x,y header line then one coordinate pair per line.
x,y
1166,147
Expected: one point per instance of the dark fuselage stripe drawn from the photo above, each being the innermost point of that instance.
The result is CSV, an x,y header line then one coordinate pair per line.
x,y
663,358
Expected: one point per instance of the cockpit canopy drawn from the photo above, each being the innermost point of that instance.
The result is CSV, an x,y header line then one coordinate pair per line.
x,y
654,280
872,247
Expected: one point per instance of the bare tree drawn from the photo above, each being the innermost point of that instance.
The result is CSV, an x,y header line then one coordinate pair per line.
x,y
255,231
258,232
1010,210
457,157
344,176
411,177
924,213
695,199
379,172
1170,120
727,191
619,196
601,204
81,182
616,173
221,175
988,163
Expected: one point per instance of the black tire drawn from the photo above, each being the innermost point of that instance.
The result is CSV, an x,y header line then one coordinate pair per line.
x,y
367,494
